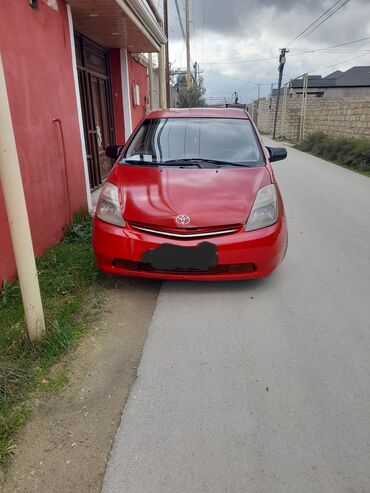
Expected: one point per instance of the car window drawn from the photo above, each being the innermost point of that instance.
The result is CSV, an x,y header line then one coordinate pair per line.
x,y
223,139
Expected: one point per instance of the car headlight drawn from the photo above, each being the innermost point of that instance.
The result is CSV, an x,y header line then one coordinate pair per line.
x,y
264,210
108,208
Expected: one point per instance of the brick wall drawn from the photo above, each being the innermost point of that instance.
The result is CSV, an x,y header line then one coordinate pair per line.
x,y
335,117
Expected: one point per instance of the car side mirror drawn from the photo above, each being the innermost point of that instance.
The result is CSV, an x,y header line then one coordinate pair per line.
x,y
277,153
113,151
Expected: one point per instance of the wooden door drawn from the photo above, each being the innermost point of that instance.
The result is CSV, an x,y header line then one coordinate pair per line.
x,y
96,101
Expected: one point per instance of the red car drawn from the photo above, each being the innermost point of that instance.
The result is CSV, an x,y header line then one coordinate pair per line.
x,y
192,195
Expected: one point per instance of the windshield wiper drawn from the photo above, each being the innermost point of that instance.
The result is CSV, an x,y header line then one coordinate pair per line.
x,y
138,161
199,160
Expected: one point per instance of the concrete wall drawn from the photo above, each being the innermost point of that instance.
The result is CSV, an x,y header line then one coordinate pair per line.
x,y
36,52
335,117
348,93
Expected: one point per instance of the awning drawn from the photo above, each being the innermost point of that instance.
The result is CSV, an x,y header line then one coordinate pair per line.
x,y
118,24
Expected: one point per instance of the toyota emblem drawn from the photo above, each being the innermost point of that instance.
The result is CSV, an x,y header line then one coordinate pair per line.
x,y
182,220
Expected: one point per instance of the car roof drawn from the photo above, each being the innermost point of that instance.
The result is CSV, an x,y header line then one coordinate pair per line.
x,y
199,113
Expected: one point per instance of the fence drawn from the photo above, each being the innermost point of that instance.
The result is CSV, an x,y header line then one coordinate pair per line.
x,y
335,117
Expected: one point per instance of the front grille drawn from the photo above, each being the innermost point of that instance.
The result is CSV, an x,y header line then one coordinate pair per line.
x,y
185,233
217,269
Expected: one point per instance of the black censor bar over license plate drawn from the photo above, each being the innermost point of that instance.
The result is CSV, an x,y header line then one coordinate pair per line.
x,y
175,257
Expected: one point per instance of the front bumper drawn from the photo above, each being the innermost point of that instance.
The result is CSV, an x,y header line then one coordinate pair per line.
x,y
119,251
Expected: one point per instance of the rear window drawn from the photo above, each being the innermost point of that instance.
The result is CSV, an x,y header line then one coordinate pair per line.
x,y
229,140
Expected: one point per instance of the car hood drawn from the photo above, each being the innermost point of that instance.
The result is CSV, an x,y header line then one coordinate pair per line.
x,y
210,197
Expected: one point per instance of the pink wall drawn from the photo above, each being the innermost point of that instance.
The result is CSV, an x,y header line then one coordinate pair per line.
x,y
35,47
115,69
137,75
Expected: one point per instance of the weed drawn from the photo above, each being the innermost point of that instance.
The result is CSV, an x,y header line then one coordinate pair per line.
x,y
353,153
67,277
8,292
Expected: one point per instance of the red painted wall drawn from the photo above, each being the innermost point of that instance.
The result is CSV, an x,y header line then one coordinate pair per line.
x,y
115,69
36,52
137,75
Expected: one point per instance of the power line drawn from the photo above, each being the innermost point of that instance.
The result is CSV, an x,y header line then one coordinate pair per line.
x,y
298,51
330,47
252,89
339,63
217,90
327,18
180,19
323,18
239,61
267,52
332,52
233,78
232,62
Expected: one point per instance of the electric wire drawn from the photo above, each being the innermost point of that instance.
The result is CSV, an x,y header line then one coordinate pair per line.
x,y
331,47
323,18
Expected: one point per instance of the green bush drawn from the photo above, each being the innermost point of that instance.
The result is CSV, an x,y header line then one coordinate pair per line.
x,y
350,152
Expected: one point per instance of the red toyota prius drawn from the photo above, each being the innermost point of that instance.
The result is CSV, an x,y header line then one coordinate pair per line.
x,y
192,195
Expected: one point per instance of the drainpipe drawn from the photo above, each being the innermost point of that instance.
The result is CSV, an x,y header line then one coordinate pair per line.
x,y
15,204
151,88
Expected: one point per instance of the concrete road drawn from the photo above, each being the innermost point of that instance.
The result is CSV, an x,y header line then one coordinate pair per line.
x,y
263,386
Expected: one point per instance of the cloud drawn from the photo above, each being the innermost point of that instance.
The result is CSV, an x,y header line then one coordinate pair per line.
x,y
239,30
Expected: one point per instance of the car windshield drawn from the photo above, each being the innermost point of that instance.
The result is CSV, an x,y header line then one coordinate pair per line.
x,y
189,141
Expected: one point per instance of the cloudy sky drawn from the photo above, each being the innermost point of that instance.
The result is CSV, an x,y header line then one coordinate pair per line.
x,y
236,42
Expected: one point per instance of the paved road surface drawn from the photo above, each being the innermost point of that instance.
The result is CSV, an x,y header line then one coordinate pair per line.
x,y
263,386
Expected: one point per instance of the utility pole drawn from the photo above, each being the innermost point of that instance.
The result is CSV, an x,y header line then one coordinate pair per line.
x,y
15,204
258,101
283,116
304,107
187,28
282,60
165,21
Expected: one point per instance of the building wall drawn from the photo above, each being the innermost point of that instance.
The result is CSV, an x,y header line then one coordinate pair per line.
x,y
138,74
349,93
36,52
335,117
115,68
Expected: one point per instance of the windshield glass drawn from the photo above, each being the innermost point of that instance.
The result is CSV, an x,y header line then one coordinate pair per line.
x,y
220,139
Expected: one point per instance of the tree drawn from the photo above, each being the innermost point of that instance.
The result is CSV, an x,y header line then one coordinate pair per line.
x,y
193,97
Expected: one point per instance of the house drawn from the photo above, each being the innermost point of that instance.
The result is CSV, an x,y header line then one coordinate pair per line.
x,y
351,84
76,81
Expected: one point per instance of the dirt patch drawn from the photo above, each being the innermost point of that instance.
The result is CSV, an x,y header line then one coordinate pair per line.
x,y
65,445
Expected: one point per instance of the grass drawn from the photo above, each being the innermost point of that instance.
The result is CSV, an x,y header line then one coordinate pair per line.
x,y
68,278
351,153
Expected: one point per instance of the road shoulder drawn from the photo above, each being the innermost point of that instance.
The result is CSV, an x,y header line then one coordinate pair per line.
x,y
66,444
